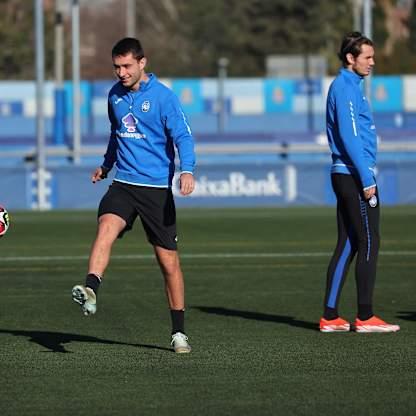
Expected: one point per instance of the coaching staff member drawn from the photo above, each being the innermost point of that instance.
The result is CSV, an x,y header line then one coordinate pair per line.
x,y
353,143
147,124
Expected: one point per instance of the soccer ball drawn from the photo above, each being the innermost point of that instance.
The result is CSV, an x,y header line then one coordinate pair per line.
x,y
4,221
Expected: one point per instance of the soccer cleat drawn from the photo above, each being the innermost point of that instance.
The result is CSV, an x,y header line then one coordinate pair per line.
x,y
180,343
374,324
334,325
86,297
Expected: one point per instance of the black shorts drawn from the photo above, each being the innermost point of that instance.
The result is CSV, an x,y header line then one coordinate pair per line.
x,y
154,206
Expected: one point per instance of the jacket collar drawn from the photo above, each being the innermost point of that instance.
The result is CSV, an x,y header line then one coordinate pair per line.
x,y
353,76
144,85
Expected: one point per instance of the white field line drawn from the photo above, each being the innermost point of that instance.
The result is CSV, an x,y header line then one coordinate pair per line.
x,y
194,256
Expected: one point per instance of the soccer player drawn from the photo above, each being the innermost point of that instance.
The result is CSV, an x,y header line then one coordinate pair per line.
x,y
147,124
353,143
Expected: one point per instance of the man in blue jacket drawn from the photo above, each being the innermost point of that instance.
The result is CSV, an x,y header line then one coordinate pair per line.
x,y
147,124
353,142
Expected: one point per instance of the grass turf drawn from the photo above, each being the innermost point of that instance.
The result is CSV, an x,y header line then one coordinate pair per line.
x,y
255,280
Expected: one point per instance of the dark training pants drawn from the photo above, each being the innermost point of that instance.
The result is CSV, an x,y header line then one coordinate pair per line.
x,y
358,234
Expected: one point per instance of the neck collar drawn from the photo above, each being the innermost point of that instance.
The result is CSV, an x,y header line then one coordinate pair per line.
x,y
351,75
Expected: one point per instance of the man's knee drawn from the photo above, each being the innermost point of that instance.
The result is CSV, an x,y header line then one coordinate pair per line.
x,y
110,226
168,260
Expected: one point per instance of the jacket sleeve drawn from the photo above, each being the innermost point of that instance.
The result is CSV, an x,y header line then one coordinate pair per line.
x,y
180,132
111,153
347,107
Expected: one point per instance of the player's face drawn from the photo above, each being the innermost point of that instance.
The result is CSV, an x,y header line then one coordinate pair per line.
x,y
364,62
129,70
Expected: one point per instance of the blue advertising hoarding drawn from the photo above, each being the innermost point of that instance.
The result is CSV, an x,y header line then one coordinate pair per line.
x,y
85,87
278,95
189,94
387,93
224,184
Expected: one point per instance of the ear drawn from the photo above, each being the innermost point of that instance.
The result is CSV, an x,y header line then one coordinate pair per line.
x,y
350,58
143,63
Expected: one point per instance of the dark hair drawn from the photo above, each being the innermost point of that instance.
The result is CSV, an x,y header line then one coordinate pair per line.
x,y
128,45
352,43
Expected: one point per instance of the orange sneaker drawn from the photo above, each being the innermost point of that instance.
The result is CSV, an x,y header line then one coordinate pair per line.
x,y
334,325
374,324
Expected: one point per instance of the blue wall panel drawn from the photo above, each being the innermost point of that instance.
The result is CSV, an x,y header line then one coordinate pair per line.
x,y
387,93
222,184
100,89
85,97
11,108
189,93
278,95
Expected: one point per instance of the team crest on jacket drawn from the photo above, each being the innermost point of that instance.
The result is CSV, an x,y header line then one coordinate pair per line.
x,y
130,122
145,106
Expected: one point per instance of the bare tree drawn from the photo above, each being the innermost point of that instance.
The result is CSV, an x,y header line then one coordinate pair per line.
x,y
396,22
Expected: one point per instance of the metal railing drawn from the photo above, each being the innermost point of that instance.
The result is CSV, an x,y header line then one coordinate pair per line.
x,y
30,153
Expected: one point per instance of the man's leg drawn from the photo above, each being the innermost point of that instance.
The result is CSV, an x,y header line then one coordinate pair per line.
x,y
368,248
366,267
338,267
174,285
157,212
109,227
341,259
363,221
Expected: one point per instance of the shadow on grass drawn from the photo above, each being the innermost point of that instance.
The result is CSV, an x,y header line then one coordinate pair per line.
x,y
257,316
407,315
54,341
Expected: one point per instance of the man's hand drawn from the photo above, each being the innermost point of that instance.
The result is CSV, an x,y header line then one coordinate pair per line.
x,y
368,193
99,174
187,183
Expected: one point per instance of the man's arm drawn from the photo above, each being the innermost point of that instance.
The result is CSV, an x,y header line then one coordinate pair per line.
x,y
187,183
369,192
347,112
111,153
99,174
180,132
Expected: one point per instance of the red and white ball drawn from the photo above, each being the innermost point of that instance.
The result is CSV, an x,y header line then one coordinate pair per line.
x,y
4,221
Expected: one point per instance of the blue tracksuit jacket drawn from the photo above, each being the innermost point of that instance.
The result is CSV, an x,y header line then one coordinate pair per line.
x,y
146,125
350,129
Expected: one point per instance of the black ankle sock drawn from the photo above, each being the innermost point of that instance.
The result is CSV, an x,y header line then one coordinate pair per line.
x,y
178,320
93,282
330,313
365,312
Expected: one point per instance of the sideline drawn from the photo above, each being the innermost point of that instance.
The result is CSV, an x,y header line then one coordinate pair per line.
x,y
195,256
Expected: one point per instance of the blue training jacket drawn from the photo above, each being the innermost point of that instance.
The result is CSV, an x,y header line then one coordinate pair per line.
x,y
146,125
350,129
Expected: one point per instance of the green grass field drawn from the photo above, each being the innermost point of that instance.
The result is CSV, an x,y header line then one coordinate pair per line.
x,y
255,280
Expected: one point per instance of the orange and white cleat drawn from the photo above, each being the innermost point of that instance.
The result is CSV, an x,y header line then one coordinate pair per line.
x,y
334,325
374,324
